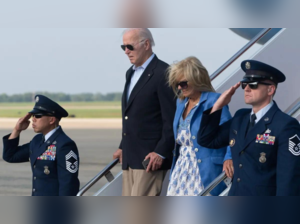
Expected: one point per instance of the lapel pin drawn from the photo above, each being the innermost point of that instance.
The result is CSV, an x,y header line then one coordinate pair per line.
x,y
54,142
266,119
149,74
48,142
235,132
268,131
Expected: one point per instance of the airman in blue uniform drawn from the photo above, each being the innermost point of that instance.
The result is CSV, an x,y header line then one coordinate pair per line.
x,y
264,141
52,154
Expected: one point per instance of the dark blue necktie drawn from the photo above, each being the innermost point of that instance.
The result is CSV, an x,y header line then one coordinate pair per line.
x,y
251,123
43,140
252,120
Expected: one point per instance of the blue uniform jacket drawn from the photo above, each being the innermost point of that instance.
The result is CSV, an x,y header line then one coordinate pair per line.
x,y
54,163
266,160
210,162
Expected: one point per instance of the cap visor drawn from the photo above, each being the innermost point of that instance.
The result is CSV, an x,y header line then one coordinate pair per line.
x,y
36,111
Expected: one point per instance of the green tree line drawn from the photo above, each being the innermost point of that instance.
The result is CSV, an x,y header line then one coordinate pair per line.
x,y
62,97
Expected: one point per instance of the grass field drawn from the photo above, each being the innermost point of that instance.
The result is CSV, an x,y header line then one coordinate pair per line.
x,y
76,109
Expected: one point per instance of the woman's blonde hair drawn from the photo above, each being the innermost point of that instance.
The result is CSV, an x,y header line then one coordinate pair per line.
x,y
193,71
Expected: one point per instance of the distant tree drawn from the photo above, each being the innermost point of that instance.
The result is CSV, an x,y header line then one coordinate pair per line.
x,y
61,97
4,97
98,97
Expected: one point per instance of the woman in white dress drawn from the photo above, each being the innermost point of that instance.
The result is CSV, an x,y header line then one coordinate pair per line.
x,y
194,167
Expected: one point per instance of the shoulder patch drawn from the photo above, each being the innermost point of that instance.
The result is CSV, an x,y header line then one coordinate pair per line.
x,y
72,162
294,145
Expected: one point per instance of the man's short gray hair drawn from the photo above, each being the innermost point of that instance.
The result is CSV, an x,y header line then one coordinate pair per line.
x,y
144,33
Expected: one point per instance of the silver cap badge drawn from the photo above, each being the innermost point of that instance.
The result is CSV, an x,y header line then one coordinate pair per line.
x,y
248,65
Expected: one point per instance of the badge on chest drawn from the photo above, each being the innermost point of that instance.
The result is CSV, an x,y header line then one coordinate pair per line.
x,y
265,139
49,154
262,158
46,170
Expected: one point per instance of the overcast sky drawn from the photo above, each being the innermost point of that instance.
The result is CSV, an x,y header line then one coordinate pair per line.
x,y
91,60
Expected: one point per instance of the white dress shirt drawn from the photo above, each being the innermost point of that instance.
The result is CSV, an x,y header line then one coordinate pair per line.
x,y
262,111
138,71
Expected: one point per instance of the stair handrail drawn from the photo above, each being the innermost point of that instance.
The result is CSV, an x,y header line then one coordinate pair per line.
x,y
101,174
239,53
293,109
213,184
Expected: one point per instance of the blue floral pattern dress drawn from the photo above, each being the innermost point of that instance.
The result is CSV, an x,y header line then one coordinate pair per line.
x,y
185,179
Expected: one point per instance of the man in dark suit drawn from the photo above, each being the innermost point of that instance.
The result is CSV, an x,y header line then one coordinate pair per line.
x,y
264,141
148,107
52,154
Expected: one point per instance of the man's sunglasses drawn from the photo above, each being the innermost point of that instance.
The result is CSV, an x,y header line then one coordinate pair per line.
x,y
37,116
183,84
254,85
129,46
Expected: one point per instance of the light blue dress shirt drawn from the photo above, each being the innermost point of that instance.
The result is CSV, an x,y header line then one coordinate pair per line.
x,y
138,71
262,111
50,133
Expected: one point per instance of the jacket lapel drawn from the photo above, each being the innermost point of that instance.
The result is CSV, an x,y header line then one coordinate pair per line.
x,y
128,79
203,98
43,147
181,107
242,130
178,115
146,76
260,127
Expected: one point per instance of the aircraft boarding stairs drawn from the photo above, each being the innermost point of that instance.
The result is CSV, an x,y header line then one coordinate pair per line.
x,y
282,51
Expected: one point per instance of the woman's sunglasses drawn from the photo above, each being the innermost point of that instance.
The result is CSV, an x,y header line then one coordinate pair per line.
x,y
183,84
254,85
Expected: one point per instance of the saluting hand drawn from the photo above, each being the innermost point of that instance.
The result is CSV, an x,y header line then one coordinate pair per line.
x,y
225,98
21,125
155,162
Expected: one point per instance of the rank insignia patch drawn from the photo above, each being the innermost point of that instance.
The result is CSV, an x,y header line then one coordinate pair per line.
x,y
72,162
294,145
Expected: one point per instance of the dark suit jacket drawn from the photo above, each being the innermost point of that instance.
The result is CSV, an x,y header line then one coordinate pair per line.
x,y
54,163
148,117
261,167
